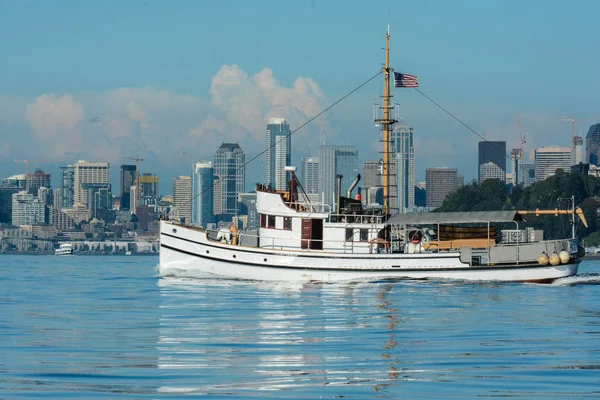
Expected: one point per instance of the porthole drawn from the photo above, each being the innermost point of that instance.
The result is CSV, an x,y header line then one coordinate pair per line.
x,y
265,260
207,251
234,256
174,230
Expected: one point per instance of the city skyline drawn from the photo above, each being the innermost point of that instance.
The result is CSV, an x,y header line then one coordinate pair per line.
x,y
171,119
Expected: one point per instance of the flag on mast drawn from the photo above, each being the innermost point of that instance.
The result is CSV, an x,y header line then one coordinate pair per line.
x,y
405,80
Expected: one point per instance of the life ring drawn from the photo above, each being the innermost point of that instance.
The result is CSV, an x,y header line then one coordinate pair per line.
x,y
415,237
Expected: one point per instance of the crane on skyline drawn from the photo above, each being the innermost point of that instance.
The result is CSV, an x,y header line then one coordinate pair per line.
x,y
522,137
137,159
572,121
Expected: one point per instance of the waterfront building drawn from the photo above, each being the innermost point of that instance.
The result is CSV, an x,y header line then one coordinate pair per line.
x,y
549,159
402,169
202,193
182,198
592,144
490,170
128,173
88,172
229,166
336,160
439,183
27,209
278,153
310,175
494,152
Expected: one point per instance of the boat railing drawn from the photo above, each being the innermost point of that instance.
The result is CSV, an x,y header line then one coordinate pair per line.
x,y
309,206
356,218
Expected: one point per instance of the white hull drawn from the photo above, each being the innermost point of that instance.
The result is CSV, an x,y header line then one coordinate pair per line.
x,y
190,251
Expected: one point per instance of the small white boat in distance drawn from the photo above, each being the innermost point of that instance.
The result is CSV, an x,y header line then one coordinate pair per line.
x,y
65,249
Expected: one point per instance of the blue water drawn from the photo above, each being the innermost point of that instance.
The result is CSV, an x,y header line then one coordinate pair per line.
x,y
85,327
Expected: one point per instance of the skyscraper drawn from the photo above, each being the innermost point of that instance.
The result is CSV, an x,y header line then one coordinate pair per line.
x,y
402,169
278,155
67,187
494,152
37,180
27,209
88,172
336,160
202,193
592,145
310,175
578,147
229,166
490,170
440,182
182,198
148,186
549,159
127,180
371,174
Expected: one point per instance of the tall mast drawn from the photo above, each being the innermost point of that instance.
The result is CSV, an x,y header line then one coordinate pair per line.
x,y
386,125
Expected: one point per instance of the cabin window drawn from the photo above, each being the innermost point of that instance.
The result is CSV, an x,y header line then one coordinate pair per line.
x,y
287,223
364,235
349,234
271,221
263,221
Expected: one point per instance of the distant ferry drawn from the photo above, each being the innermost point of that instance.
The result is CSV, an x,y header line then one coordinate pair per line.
x,y
65,249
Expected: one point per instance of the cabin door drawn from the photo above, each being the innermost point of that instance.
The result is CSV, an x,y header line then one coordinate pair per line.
x,y
312,234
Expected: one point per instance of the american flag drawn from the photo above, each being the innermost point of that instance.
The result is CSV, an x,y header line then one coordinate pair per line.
x,y
405,80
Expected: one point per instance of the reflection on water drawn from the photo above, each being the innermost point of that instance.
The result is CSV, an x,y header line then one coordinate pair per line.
x,y
381,339
108,327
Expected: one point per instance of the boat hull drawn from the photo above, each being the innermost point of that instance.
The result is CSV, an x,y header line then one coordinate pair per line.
x,y
188,252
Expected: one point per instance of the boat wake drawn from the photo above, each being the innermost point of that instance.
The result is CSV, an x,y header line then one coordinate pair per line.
x,y
581,279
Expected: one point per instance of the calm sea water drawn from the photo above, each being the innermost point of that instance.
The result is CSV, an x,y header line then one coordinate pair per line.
x,y
108,327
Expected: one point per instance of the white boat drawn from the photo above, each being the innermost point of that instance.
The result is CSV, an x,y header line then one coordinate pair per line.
x,y
65,249
304,241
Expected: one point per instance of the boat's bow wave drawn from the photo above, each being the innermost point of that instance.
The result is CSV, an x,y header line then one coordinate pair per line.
x,y
581,279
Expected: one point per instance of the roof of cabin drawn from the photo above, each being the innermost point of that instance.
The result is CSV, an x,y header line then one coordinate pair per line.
x,y
471,217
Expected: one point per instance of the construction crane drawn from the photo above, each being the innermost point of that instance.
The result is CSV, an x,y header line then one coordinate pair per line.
x,y
27,161
572,121
137,175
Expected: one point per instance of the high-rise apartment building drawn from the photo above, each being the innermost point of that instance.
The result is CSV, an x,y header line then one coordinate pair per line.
x,y
37,180
336,160
127,180
494,152
490,170
229,167
27,209
549,159
278,155
310,175
592,145
202,193
182,198
88,172
402,169
440,182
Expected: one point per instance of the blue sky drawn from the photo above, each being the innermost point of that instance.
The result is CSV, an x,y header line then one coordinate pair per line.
x,y
171,79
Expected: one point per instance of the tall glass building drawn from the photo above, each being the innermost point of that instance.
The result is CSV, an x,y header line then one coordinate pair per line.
x,y
229,166
202,193
402,169
310,175
127,181
494,152
592,144
336,160
278,155
67,187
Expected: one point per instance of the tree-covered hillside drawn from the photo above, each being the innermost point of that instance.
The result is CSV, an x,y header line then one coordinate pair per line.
x,y
554,192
